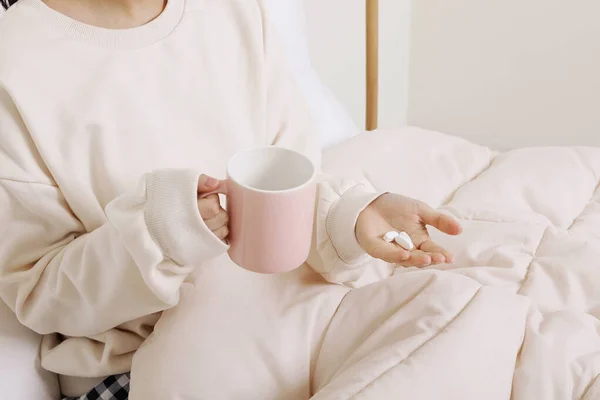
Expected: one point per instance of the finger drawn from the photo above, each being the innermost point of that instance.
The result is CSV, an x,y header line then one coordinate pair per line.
x,y
209,207
441,222
388,252
217,222
437,258
222,232
438,253
418,258
207,184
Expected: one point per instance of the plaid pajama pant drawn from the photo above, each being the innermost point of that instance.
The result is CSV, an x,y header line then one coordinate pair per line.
x,y
113,388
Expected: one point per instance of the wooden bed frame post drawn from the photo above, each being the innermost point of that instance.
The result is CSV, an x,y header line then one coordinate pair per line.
x,y
372,64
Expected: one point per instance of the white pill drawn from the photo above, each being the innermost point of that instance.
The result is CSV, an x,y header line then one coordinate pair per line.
x,y
390,236
404,240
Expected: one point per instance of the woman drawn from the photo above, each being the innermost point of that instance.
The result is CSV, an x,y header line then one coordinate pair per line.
x,y
114,118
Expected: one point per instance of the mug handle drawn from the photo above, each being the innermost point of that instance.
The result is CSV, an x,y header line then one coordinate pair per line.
x,y
222,189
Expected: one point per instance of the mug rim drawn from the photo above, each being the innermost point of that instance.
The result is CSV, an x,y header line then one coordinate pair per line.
x,y
308,182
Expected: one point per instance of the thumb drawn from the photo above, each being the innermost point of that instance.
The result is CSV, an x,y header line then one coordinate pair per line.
x,y
440,221
207,184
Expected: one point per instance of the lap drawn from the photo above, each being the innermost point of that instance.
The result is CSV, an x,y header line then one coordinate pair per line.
x,y
237,334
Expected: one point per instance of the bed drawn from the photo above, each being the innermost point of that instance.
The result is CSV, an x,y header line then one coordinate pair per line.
x,y
516,315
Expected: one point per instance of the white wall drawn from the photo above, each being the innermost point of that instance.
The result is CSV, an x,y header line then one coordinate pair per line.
x,y
337,41
504,73
507,73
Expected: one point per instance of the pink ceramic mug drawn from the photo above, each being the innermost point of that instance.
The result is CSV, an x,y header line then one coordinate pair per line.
x,y
271,202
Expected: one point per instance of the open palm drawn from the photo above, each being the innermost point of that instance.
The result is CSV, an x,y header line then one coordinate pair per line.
x,y
400,213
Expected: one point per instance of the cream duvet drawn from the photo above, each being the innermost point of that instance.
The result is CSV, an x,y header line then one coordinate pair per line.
x,y
515,317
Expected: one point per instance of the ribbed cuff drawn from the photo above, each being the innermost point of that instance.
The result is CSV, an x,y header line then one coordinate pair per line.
x,y
341,223
174,221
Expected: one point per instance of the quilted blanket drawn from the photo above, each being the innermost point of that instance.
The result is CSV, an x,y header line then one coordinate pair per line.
x,y
515,317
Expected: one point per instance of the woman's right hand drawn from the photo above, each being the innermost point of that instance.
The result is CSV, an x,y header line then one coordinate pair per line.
x,y
214,216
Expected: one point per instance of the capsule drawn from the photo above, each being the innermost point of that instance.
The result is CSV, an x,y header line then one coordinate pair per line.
x,y
404,240
390,236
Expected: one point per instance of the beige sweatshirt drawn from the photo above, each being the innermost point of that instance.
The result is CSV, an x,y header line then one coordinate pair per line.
x,y
103,135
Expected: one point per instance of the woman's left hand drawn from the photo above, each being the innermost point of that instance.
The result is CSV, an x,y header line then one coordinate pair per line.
x,y
393,212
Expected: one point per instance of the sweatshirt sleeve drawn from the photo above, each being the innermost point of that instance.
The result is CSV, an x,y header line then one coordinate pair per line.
x,y
59,277
335,253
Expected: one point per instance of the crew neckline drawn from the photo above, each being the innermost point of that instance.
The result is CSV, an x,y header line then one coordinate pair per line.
x,y
129,38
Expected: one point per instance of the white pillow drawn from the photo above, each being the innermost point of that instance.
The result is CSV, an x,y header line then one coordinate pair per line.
x,y
21,376
333,122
